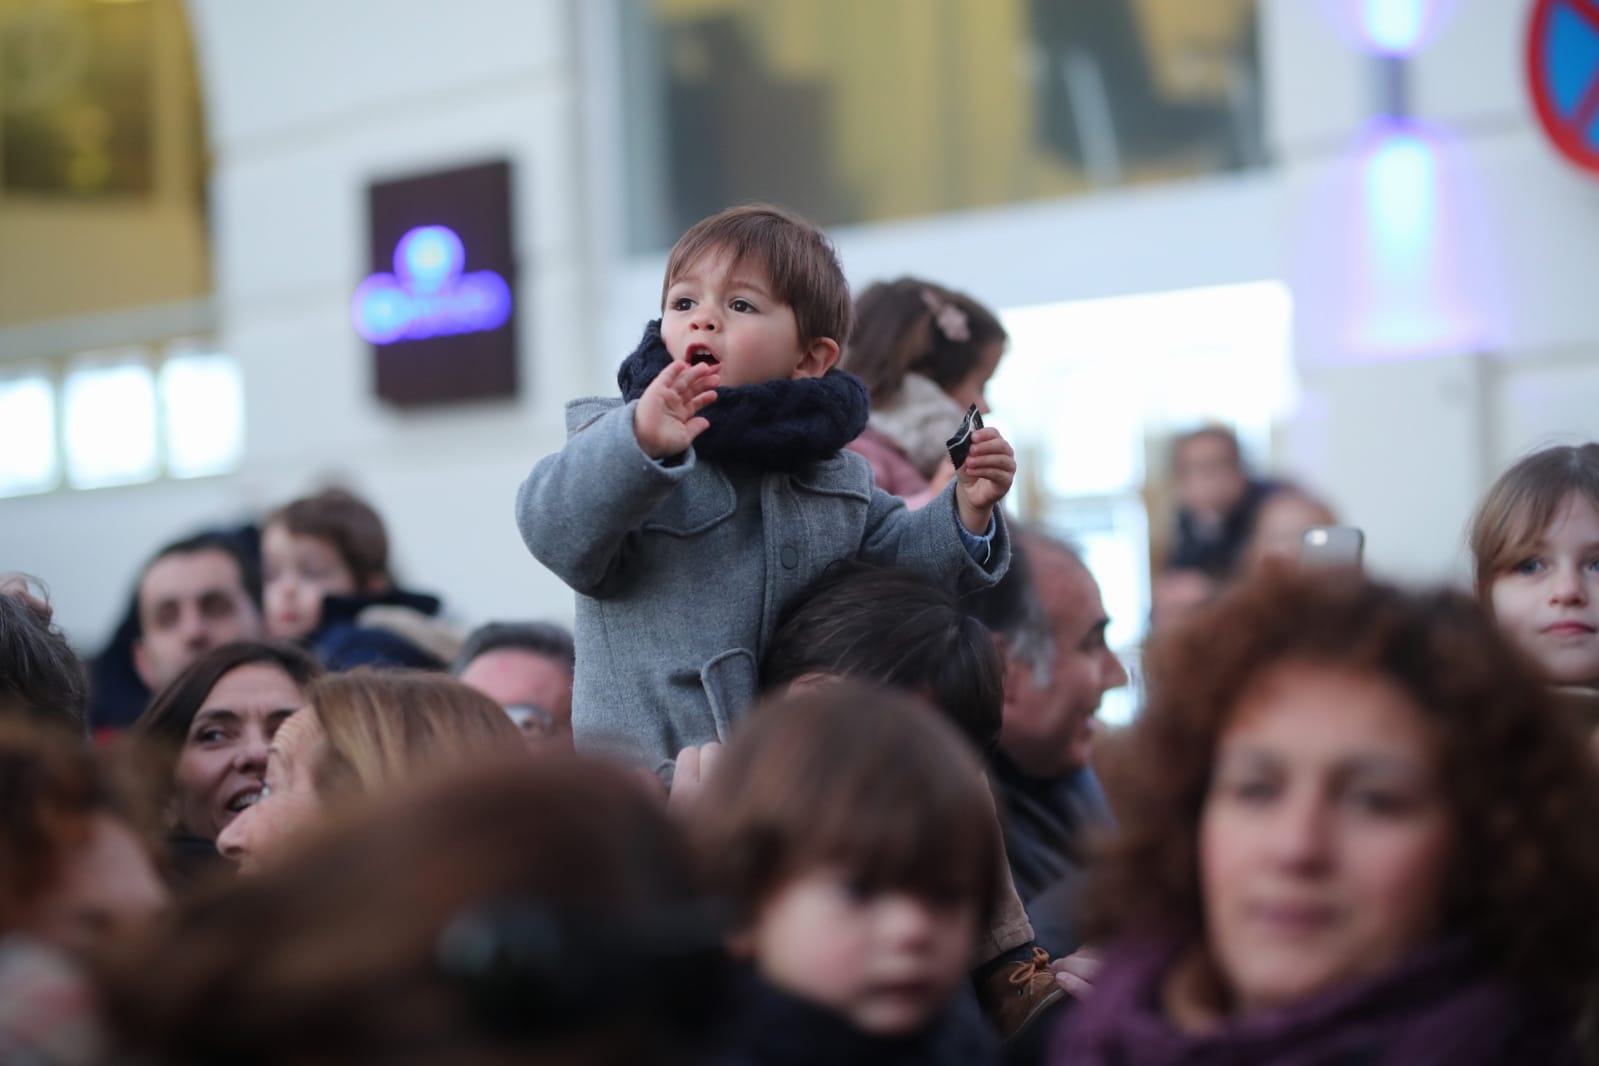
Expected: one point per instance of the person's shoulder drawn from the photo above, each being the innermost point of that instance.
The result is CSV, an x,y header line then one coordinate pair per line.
x,y
584,410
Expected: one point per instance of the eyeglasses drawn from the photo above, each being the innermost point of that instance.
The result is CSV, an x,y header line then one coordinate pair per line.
x,y
530,718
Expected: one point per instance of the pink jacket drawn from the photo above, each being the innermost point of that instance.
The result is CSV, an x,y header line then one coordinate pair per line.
x,y
892,469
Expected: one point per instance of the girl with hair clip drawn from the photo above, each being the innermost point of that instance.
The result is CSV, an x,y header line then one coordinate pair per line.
x,y
1357,831
925,353
1535,540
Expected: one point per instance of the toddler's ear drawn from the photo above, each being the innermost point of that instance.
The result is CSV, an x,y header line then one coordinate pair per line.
x,y
817,359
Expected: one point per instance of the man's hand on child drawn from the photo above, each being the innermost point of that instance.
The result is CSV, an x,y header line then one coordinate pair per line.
x,y
984,479
667,418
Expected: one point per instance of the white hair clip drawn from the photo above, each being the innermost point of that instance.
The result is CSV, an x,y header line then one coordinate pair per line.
x,y
950,320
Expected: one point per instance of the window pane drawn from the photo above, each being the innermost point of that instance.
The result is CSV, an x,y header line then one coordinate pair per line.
x,y
27,435
109,411
202,407
855,112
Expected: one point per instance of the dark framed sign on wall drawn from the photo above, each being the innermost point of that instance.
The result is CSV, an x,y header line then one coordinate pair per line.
x,y
439,306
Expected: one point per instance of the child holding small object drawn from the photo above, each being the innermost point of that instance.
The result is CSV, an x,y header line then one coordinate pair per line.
x,y
686,512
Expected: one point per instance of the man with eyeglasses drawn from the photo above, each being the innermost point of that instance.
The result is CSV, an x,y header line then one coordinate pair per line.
x,y
526,667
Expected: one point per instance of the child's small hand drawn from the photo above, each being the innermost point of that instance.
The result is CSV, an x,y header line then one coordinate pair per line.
x,y
667,418
984,479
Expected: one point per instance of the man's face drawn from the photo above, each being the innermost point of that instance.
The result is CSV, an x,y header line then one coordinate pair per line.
x,y
534,689
1209,480
1048,728
190,603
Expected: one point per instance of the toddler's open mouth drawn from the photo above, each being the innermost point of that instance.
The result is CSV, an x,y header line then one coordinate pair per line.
x,y
699,353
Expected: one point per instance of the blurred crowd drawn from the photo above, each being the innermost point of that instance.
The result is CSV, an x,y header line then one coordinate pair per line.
x,y
816,775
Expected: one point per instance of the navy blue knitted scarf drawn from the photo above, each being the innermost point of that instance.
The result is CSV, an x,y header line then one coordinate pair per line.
x,y
773,425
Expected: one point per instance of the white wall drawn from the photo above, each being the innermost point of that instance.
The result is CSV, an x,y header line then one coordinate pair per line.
x,y
307,103
1406,442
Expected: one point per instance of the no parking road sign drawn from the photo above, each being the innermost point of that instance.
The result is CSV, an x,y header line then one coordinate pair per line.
x,y
1563,68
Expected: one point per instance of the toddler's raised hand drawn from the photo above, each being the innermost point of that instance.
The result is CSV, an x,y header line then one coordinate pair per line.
x,y
667,418
984,478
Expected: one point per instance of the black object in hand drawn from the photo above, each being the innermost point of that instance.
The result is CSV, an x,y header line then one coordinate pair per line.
x,y
961,442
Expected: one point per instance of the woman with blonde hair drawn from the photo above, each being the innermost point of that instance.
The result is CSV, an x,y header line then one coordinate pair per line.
x,y
358,733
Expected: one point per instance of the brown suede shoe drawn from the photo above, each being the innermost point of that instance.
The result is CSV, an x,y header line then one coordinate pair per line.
x,y
1016,996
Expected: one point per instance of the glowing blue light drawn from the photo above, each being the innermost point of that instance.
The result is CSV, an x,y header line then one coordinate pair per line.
x,y
1410,273
1395,26
428,257
428,295
1400,186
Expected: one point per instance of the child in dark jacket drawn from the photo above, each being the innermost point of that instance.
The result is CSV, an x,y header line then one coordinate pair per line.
x,y
326,585
850,830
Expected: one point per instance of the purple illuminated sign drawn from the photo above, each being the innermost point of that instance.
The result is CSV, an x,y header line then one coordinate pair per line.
x,y
428,295
436,303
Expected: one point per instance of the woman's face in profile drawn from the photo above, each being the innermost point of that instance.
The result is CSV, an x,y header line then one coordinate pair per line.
x,y
288,800
1325,837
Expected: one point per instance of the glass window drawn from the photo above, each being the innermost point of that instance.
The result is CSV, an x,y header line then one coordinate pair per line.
x,y
1089,390
108,409
202,414
855,112
27,434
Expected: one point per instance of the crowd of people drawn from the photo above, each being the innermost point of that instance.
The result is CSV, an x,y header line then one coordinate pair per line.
x,y
816,776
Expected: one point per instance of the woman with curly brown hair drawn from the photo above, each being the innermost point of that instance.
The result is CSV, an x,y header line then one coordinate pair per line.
x,y
1357,832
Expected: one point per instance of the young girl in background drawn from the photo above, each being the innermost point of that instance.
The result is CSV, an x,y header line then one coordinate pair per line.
x,y
850,830
925,354
1535,539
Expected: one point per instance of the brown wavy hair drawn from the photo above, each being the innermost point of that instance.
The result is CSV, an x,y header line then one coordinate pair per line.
x,y
51,789
1516,773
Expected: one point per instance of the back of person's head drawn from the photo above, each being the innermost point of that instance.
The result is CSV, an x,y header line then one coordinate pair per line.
x,y
795,256
893,628
553,642
346,522
382,727
871,782
1521,504
912,326
1515,782
77,863
491,915
41,678
160,732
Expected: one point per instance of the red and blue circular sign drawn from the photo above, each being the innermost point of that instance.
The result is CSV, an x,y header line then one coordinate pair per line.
x,y
1563,68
